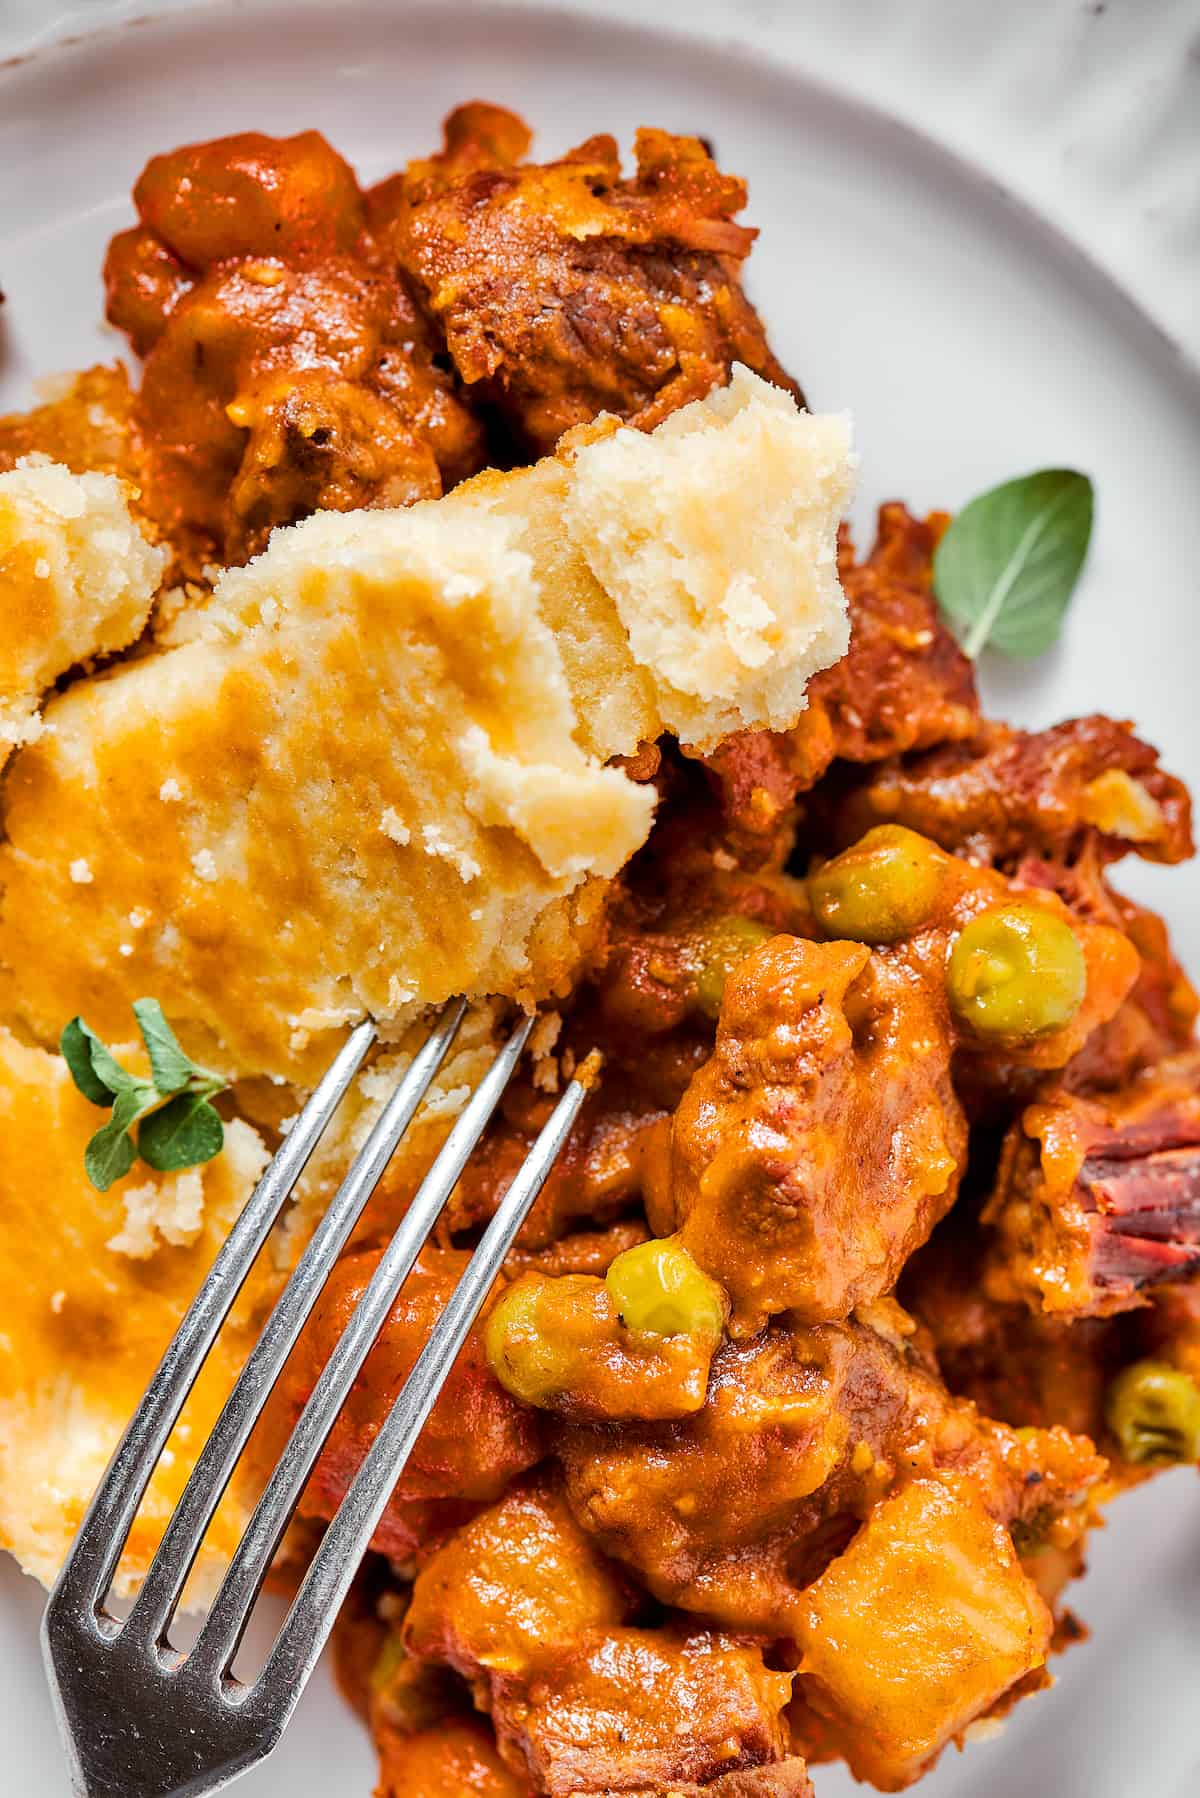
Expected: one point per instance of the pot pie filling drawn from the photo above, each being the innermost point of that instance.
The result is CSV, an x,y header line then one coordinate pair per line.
x,y
455,601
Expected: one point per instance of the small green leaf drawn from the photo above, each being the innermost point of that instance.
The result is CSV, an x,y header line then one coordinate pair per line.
x,y
75,1046
111,1151
109,1155
1006,568
181,1133
185,1132
172,1069
104,1064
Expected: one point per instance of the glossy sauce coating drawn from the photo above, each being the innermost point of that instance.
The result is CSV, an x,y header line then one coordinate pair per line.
x,y
477,1439
821,1467
286,369
566,289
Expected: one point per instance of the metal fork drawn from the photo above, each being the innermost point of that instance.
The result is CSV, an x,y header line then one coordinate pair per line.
x,y
139,1718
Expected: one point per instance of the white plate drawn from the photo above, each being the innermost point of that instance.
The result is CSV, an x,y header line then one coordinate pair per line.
x,y
971,340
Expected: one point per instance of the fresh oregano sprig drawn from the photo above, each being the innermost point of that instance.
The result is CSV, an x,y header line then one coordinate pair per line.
x,y
177,1125
1007,566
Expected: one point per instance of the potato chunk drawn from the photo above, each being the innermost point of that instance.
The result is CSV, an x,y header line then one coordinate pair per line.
x,y
919,1627
513,1589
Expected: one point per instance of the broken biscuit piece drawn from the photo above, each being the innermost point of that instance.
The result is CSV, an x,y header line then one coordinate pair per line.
x,y
386,749
380,804
715,538
76,580
689,573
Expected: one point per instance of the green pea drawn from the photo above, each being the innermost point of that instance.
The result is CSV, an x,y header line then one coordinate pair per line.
x,y
401,1690
389,1661
520,1354
880,891
1154,1412
728,942
1016,973
657,1286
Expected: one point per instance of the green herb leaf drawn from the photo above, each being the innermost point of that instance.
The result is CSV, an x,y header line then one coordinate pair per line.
x,y
186,1131
105,1067
111,1151
110,1154
1007,566
75,1045
172,1069
182,1133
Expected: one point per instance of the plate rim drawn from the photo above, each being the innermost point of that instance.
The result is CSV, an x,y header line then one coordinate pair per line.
x,y
757,58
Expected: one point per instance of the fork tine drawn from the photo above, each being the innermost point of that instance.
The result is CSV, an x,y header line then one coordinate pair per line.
x,y
200,1497
222,1631
89,1568
307,1624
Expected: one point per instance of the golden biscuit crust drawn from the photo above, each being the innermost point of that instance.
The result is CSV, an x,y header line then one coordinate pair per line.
x,y
76,580
94,1287
375,776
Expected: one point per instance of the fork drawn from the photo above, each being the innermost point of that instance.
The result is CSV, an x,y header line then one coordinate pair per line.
x,y
139,1717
